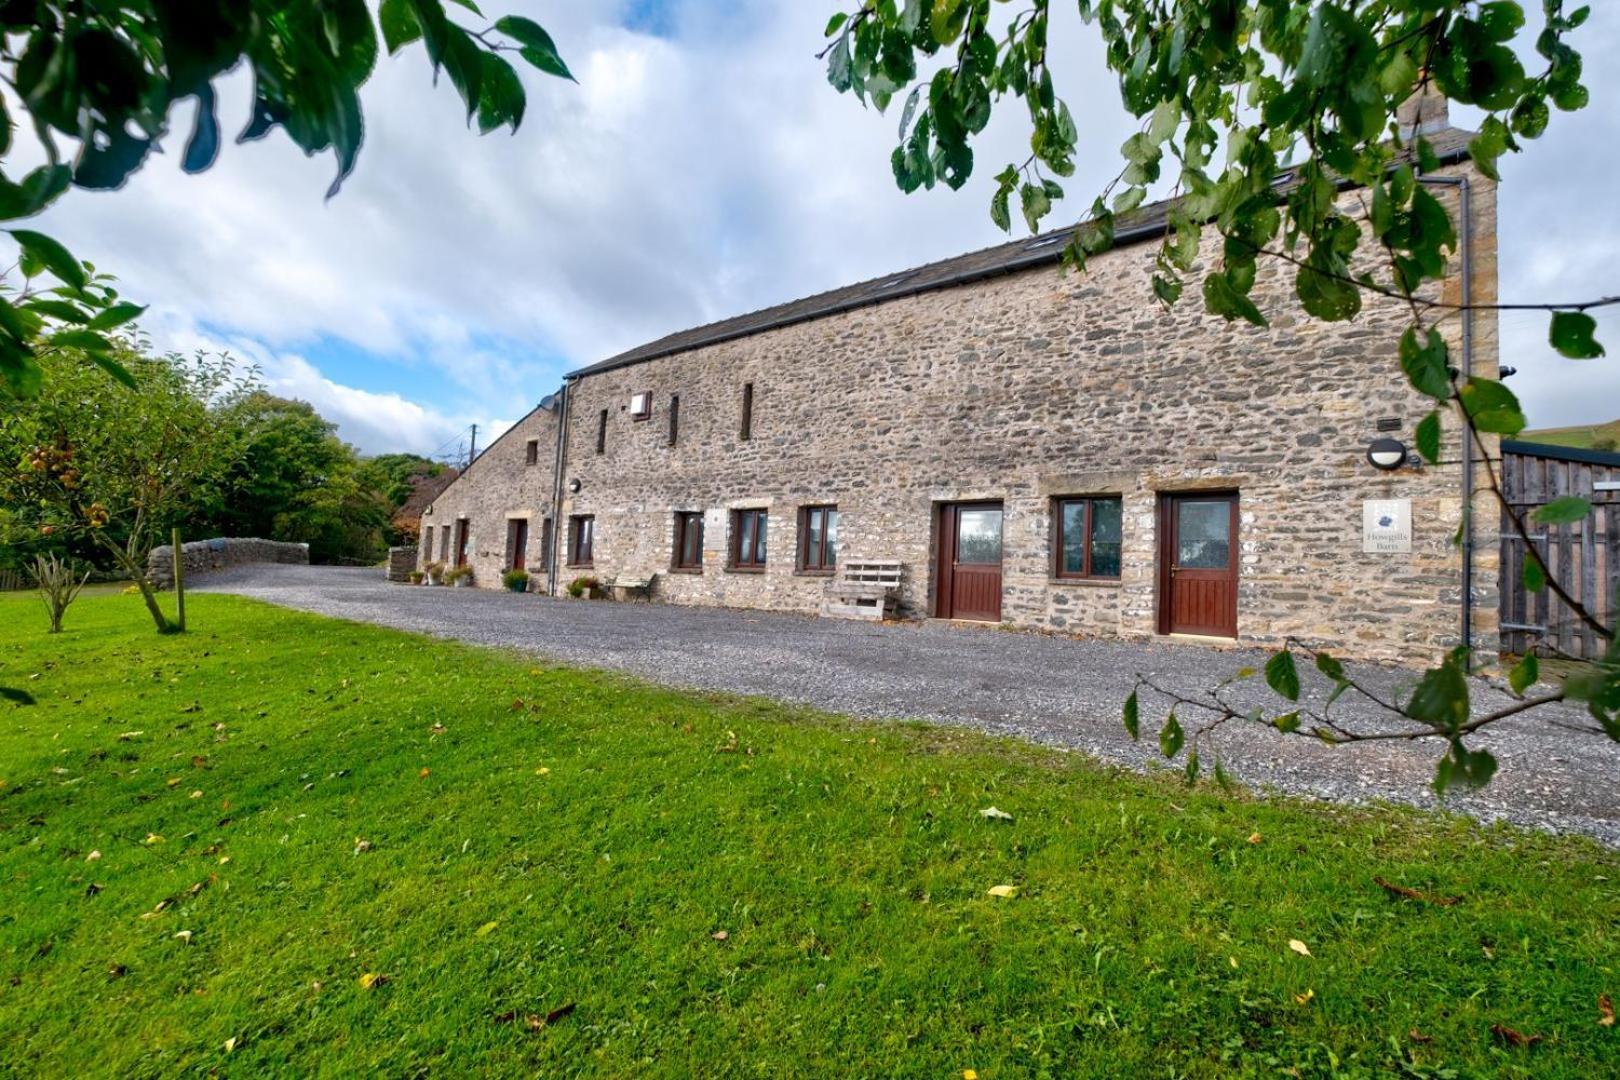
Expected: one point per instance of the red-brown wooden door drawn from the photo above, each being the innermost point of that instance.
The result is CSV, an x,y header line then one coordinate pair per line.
x,y
1198,564
461,542
970,562
517,543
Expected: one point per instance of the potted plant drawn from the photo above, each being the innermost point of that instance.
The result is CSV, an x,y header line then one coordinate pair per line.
x,y
516,580
585,586
416,577
459,576
435,573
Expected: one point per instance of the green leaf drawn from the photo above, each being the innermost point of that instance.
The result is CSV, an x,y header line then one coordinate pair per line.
x,y
112,367
463,62
116,316
38,190
1469,768
1287,723
60,310
1171,737
1132,716
1441,697
1282,676
1425,363
1428,437
1492,406
1330,667
501,99
1492,142
51,255
1563,511
1534,578
538,48
1191,772
1036,204
399,25
1524,673
834,23
1571,334
88,340
1222,298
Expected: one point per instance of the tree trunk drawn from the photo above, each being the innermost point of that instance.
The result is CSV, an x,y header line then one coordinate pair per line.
x,y
136,573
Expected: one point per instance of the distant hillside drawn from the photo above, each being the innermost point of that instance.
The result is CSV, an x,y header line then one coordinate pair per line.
x,y
1588,437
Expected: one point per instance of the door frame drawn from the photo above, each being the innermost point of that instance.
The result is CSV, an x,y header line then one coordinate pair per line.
x,y
517,542
945,525
1167,550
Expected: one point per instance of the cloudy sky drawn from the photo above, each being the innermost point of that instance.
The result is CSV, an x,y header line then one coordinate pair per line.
x,y
701,168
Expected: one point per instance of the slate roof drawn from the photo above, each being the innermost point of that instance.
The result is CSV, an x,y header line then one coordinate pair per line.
x,y
1145,223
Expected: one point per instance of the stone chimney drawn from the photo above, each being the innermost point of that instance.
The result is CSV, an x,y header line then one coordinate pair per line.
x,y
1424,113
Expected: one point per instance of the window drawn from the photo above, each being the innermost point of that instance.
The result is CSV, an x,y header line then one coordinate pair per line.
x,y
747,429
818,539
601,433
689,540
748,529
546,540
444,543
581,540
641,406
674,418
1087,537
531,452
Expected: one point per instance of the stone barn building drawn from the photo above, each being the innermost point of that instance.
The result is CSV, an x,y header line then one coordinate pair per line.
x,y
1037,449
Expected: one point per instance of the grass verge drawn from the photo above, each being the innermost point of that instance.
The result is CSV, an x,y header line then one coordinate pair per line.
x,y
286,844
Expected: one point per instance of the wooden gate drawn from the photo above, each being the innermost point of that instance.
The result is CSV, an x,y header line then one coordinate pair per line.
x,y
1583,556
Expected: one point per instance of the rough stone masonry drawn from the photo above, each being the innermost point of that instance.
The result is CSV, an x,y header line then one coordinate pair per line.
x,y
1019,389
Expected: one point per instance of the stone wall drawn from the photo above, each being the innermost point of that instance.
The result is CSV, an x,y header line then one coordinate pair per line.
x,y
401,561
500,487
203,556
1023,388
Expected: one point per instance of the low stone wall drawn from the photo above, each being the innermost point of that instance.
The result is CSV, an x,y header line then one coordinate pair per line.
x,y
401,561
203,556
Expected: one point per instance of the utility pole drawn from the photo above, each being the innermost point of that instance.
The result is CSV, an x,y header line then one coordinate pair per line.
x,y
472,447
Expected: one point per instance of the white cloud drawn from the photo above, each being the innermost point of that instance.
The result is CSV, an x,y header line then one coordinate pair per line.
x,y
681,181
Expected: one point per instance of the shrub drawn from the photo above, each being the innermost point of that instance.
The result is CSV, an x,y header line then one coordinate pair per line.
x,y
59,584
457,574
516,580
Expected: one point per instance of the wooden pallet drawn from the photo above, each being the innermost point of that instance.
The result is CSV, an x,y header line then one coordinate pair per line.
x,y
864,590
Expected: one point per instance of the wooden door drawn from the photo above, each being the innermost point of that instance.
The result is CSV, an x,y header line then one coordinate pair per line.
x,y
461,543
1198,564
517,543
969,562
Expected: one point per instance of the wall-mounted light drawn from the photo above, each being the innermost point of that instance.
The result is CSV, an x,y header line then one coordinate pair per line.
x,y
574,486
1386,455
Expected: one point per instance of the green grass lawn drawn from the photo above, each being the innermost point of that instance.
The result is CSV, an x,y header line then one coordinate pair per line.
x,y
286,805
1582,437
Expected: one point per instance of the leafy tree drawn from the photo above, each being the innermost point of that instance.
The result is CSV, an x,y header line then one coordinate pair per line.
x,y
116,466
96,83
1227,93
394,474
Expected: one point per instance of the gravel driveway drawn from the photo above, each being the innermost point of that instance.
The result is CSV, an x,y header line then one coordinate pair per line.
x,y
1056,691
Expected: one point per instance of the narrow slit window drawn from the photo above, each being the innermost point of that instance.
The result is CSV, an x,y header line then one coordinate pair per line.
x,y
601,432
747,429
674,418
531,452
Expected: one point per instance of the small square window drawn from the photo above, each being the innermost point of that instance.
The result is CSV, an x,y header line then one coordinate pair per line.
x,y
531,452
640,406
748,533
818,539
689,540
1087,537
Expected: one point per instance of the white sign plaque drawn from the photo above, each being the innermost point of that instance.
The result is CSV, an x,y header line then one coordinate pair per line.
x,y
1386,526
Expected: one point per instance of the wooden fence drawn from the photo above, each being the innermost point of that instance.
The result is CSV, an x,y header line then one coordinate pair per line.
x,y
1584,557
12,580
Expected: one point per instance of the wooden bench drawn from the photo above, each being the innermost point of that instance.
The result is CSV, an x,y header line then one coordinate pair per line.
x,y
865,589
626,587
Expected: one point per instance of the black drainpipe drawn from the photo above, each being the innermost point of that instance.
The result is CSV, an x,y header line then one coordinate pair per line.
x,y
557,538
1466,237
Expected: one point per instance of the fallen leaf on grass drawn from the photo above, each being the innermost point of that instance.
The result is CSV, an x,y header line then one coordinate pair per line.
x,y
994,814
487,929
152,838
1413,894
196,794
1254,838
970,1074
230,1044
1305,998
558,1013
1299,946
199,762
424,773
1418,1037
183,935
720,935
730,746
128,735
1006,892
1508,1037
93,856
173,781
117,971
361,845
1605,1011
542,771
437,729
372,979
